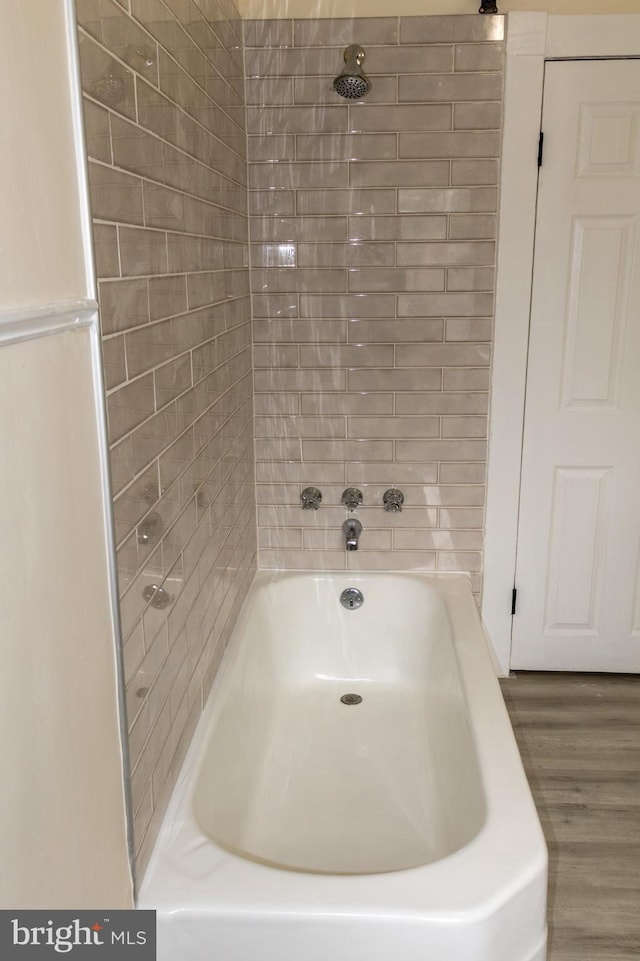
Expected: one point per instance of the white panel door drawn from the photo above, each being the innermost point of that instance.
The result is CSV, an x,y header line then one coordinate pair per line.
x,y
577,575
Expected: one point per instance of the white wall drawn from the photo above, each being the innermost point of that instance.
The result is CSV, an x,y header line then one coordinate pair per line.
x,y
63,834
277,9
41,254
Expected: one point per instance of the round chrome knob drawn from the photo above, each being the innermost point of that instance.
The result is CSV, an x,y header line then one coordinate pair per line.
x,y
352,498
393,499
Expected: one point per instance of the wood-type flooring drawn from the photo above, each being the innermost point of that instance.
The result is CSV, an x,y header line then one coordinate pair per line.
x,y
579,737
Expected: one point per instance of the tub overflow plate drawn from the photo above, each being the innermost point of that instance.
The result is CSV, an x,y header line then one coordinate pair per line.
x,y
352,598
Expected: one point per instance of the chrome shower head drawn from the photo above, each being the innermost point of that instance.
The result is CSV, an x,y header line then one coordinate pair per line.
x,y
352,82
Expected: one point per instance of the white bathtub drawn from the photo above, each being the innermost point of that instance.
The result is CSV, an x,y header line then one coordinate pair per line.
x,y
306,829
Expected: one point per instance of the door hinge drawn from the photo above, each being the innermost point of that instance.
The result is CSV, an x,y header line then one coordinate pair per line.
x,y
540,148
514,595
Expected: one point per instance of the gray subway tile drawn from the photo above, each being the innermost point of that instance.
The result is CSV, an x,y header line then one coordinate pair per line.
x,y
450,200
347,305
395,279
443,355
403,330
105,78
351,355
115,196
354,201
347,403
277,255
468,329
466,378
351,450
148,347
393,427
267,91
376,146
473,227
128,406
97,131
171,380
105,245
291,62
341,31
445,305
450,88
281,120
272,203
353,255
292,229
142,251
283,175
281,147
479,56
369,119
307,380
123,304
409,173
445,254
386,379
451,29
301,280
445,402
441,144
412,59
115,371
397,228
474,173
275,305
167,296
470,278
268,33
464,426
478,117
435,450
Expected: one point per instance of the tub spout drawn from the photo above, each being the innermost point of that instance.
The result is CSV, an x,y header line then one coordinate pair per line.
x,y
351,529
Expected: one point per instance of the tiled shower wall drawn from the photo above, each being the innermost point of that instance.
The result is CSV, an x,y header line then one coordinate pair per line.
x,y
164,116
373,235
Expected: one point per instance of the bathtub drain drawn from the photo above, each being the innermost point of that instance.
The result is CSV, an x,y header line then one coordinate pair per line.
x,y
351,699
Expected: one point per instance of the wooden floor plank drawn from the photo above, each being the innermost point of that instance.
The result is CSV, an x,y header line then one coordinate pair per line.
x,y
579,737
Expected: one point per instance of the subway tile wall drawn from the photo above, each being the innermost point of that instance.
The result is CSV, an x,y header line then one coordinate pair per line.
x,y
373,229
165,128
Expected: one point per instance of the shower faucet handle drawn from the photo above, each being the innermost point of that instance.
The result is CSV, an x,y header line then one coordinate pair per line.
x,y
352,498
311,498
149,529
393,499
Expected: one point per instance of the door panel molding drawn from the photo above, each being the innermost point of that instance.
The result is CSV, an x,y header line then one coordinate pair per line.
x,y
532,38
578,509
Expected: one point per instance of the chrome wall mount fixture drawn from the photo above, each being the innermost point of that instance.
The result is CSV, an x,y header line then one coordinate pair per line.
x,y
109,90
393,499
351,498
311,498
150,529
352,598
151,493
159,597
352,83
352,528
489,6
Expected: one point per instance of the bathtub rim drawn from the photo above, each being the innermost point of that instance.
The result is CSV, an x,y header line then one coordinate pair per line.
x,y
509,851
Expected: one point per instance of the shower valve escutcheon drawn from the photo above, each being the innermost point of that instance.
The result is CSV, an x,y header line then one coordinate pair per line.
x,y
352,528
311,498
393,499
352,498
